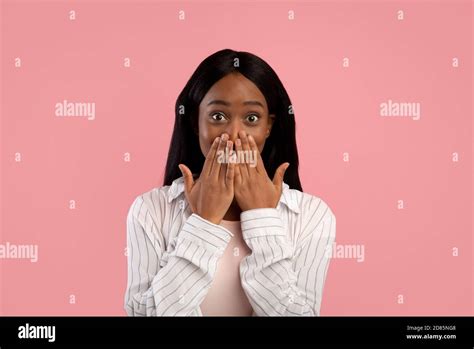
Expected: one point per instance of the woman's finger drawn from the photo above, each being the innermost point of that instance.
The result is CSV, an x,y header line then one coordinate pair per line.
x,y
279,175
229,177
255,156
244,173
188,184
225,165
246,149
188,177
237,174
206,169
217,163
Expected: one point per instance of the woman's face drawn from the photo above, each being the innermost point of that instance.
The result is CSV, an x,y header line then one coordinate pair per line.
x,y
233,104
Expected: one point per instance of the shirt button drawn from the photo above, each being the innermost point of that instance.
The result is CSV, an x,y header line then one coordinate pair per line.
x,y
181,204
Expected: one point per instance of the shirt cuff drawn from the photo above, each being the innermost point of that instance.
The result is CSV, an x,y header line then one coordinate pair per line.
x,y
205,233
261,222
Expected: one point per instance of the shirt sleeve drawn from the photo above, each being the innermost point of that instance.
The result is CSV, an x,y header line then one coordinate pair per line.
x,y
178,288
281,279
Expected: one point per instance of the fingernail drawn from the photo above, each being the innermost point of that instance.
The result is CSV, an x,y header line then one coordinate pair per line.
x,y
224,137
237,142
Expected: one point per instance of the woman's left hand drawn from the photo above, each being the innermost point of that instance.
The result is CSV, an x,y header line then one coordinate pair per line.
x,y
252,186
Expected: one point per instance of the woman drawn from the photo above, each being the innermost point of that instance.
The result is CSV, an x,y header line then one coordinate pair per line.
x,y
225,234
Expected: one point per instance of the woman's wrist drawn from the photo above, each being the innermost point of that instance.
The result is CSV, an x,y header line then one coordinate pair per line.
x,y
210,218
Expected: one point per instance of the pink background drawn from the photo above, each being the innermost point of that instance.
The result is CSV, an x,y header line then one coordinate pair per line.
x,y
81,252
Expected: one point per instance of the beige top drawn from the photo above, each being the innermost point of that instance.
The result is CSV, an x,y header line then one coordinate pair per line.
x,y
226,296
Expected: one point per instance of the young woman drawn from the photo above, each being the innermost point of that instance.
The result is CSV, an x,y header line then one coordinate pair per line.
x,y
229,235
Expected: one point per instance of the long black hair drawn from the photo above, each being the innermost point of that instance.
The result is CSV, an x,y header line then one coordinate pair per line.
x,y
280,146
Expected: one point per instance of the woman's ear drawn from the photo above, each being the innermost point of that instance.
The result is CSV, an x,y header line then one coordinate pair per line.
x,y
271,120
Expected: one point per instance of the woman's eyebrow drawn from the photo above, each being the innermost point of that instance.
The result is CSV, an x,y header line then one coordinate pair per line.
x,y
227,104
219,101
253,103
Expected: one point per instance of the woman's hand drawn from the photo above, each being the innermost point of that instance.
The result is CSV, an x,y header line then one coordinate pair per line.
x,y
252,186
211,195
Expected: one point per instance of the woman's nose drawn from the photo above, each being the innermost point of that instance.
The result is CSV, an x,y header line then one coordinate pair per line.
x,y
233,131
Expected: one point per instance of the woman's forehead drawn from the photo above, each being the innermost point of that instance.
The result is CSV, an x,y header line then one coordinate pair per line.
x,y
234,90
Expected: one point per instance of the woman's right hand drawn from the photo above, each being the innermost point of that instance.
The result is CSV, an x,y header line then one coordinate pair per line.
x,y
211,195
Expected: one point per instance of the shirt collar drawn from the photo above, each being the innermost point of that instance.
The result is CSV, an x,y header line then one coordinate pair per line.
x,y
287,198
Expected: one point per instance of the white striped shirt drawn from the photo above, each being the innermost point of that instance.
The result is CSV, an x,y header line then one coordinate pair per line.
x,y
173,254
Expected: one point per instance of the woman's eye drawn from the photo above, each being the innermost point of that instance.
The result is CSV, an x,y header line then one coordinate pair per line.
x,y
252,118
217,116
